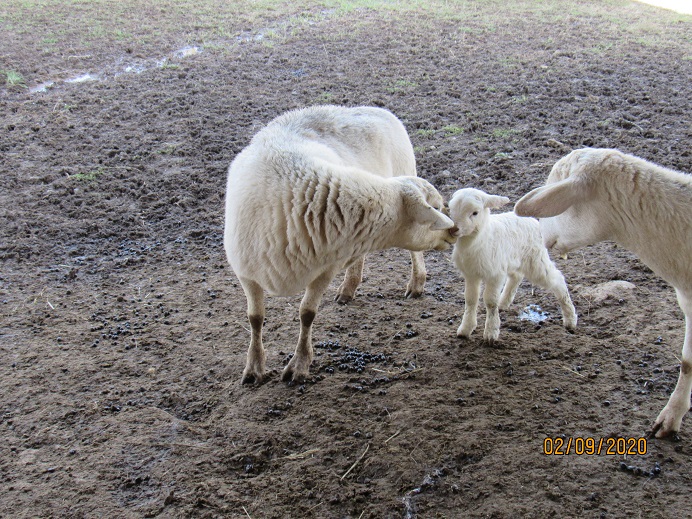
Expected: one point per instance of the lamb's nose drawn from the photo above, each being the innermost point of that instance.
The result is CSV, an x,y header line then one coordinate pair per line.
x,y
454,232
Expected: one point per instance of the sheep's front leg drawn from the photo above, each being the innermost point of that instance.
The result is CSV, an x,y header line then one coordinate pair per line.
x,y
354,275
472,290
670,419
416,284
510,290
299,366
256,356
491,296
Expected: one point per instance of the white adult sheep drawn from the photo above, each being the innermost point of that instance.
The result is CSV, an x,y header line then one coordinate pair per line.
x,y
500,249
315,191
593,195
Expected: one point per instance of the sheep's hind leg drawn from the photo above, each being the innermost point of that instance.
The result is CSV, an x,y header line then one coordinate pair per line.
x,y
298,367
472,290
354,275
510,290
256,356
416,284
491,295
670,418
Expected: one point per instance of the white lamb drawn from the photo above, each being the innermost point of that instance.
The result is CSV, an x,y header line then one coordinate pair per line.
x,y
500,249
593,195
315,191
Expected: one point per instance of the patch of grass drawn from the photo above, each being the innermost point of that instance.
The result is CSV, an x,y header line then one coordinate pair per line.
x,y
453,129
13,79
504,133
425,132
402,85
168,149
602,48
90,175
325,98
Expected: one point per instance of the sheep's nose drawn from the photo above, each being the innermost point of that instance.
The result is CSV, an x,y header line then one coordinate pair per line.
x,y
454,232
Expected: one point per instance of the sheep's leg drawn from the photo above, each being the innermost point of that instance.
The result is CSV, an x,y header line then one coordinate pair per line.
x,y
491,295
416,284
256,356
299,366
510,290
472,290
670,419
354,275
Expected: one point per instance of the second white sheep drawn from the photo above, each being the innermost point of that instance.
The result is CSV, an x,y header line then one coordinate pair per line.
x,y
500,250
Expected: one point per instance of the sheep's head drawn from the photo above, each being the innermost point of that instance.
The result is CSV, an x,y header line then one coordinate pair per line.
x,y
470,208
425,225
568,209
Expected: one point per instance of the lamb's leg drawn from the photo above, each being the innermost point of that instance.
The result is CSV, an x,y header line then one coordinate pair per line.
x,y
510,290
554,282
491,295
299,366
354,275
416,284
256,356
472,290
670,419
547,276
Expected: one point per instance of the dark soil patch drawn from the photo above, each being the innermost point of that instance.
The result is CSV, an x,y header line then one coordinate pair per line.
x,y
123,331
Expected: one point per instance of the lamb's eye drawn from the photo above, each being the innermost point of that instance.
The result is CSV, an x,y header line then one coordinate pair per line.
x,y
475,213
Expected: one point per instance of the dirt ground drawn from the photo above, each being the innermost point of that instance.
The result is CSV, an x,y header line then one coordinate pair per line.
x,y
123,331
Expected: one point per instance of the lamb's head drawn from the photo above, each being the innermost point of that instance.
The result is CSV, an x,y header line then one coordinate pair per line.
x,y
470,208
568,206
423,225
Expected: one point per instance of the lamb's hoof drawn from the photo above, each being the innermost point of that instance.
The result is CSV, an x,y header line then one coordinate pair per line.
x,y
493,343
343,299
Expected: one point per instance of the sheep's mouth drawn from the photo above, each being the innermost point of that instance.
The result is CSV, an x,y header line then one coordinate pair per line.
x,y
454,232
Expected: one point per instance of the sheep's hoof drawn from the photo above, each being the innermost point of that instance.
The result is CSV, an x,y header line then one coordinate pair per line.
x,y
658,431
289,376
343,299
252,378
413,294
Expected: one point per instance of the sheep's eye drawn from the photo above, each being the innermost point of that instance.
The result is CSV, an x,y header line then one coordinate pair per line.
x,y
475,213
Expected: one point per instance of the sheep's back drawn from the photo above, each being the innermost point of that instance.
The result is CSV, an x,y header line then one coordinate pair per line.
x,y
293,217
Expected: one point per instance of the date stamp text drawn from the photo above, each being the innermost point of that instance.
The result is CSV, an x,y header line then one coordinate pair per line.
x,y
591,446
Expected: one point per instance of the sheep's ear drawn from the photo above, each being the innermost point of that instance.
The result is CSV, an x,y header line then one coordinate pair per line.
x,y
550,200
494,201
425,214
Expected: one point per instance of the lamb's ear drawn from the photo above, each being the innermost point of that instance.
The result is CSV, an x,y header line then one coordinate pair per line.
x,y
550,200
494,201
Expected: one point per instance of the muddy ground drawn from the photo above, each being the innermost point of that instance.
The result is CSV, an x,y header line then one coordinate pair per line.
x,y
123,330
